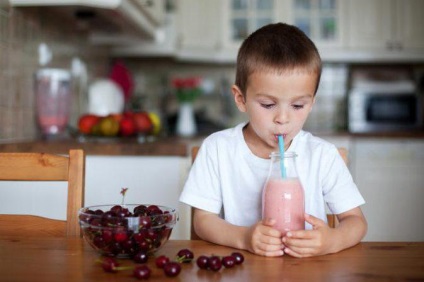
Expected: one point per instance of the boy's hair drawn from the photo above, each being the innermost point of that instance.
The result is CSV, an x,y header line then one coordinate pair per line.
x,y
276,48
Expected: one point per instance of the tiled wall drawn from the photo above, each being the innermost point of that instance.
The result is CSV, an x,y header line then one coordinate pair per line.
x,y
21,32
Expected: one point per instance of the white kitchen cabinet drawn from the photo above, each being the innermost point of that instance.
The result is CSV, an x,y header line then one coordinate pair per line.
x,y
199,24
386,25
390,176
321,20
242,17
217,28
157,180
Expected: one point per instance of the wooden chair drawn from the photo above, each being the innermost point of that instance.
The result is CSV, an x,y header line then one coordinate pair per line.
x,y
45,167
331,218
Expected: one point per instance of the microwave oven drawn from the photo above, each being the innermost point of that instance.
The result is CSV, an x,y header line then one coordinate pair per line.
x,y
384,107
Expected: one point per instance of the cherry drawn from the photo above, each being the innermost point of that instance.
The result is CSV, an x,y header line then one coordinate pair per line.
x,y
98,212
161,261
238,257
99,242
107,236
116,209
128,245
140,210
153,210
140,257
202,262
109,265
228,261
86,216
142,272
185,255
115,248
172,269
215,263
96,222
144,245
145,222
120,235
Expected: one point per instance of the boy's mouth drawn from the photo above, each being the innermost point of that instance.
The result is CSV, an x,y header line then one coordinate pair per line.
x,y
276,136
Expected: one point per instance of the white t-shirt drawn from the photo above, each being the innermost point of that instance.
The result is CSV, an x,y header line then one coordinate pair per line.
x,y
228,178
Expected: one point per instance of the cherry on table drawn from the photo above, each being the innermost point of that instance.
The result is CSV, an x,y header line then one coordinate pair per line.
x,y
238,257
110,265
185,255
202,262
228,261
161,261
215,263
172,269
142,272
140,257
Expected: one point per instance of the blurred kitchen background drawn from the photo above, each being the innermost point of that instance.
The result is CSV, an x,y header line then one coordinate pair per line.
x,y
158,40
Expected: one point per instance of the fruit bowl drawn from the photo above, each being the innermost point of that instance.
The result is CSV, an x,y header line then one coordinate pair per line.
x,y
124,230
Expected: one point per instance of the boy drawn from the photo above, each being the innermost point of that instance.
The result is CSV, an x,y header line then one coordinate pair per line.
x,y
277,76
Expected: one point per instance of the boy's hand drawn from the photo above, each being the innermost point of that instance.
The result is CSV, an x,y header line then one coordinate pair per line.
x,y
306,243
264,240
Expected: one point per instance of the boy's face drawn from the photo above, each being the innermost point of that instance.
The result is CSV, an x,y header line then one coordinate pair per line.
x,y
277,104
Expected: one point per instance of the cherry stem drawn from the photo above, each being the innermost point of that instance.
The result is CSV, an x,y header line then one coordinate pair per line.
x,y
182,259
117,268
123,192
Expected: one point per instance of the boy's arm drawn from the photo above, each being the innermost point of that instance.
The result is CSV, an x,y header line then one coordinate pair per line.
x,y
351,229
322,239
260,238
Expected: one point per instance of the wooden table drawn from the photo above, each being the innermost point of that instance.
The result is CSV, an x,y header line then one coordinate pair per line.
x,y
64,259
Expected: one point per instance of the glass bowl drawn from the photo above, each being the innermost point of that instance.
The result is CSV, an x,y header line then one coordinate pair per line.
x,y
124,230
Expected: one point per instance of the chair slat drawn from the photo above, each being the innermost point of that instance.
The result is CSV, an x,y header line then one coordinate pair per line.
x,y
45,167
33,166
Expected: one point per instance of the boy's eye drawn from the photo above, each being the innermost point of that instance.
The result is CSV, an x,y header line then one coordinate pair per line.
x,y
267,106
298,107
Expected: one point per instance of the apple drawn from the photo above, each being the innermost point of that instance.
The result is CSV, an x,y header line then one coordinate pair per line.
x,y
109,126
87,122
127,126
143,122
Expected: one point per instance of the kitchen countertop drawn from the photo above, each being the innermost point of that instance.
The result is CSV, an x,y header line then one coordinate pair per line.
x,y
167,146
172,146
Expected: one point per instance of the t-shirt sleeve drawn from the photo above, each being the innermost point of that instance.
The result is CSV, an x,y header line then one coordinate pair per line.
x,y
202,187
340,192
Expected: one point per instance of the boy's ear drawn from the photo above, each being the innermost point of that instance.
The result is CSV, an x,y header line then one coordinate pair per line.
x,y
238,98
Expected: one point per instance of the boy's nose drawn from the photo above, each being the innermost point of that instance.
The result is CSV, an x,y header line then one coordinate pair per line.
x,y
282,116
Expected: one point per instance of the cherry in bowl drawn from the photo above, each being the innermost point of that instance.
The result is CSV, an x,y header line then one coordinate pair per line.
x,y
126,230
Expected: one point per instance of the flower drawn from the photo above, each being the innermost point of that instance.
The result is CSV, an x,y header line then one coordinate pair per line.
x,y
187,89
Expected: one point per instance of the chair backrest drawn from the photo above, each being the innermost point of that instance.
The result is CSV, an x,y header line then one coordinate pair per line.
x,y
331,218
45,167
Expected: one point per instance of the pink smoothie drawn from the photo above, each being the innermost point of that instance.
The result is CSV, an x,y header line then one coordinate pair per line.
x,y
283,200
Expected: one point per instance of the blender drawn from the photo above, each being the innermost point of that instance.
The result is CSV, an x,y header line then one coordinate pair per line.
x,y
53,101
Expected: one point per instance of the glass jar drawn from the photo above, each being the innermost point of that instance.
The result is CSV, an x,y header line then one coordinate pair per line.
x,y
283,197
53,100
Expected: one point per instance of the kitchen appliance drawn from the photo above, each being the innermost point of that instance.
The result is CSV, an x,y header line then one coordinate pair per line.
x,y
53,100
105,97
383,106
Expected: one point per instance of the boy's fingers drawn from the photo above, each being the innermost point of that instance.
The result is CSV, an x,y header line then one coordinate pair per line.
x,y
268,222
314,221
